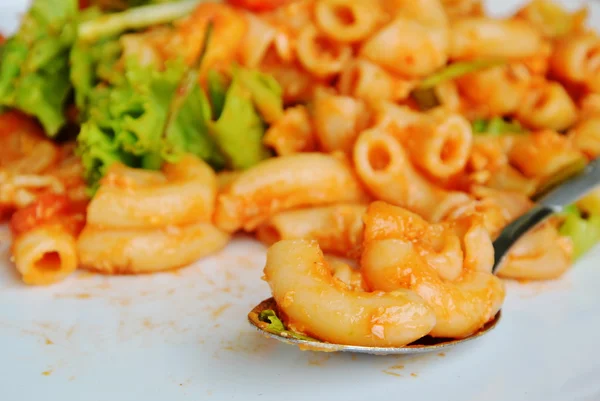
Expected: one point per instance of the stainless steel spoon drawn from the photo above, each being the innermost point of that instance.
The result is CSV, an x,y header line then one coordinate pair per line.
x,y
554,201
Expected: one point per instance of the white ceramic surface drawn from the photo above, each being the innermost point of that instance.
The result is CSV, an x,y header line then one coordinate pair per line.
x,y
184,336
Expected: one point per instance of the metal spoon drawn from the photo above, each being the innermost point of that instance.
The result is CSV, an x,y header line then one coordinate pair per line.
x,y
554,201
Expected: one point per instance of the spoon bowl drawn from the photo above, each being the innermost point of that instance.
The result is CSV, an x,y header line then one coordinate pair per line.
x,y
424,345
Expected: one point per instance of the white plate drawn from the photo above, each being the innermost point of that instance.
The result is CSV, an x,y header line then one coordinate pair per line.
x,y
184,336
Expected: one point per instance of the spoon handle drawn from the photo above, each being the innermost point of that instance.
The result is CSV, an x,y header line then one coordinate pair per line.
x,y
574,188
563,195
516,229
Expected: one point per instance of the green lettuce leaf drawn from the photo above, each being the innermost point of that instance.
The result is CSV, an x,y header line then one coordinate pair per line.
x,y
92,64
119,5
276,326
217,92
125,122
240,128
135,18
584,231
457,70
34,68
497,126
266,93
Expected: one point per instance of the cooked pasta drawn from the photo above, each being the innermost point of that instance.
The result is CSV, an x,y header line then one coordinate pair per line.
x,y
547,105
402,135
137,251
408,47
400,251
485,37
319,54
500,89
385,169
282,184
130,198
45,232
292,133
337,228
45,255
347,21
543,154
367,81
577,59
586,136
301,282
337,120
144,222
440,146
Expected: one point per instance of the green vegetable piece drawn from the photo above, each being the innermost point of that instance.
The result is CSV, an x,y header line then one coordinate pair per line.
x,y
426,98
125,122
98,151
497,126
585,233
479,126
266,93
239,130
570,209
457,70
217,92
34,69
134,19
276,326
91,65
119,5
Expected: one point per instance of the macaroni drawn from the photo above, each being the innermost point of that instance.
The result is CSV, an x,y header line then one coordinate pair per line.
x,y
337,120
412,133
302,283
137,251
408,48
282,184
130,198
45,255
337,229
292,133
485,37
347,21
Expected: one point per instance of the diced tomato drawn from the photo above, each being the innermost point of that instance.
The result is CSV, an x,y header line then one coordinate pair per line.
x,y
13,121
258,5
49,208
83,4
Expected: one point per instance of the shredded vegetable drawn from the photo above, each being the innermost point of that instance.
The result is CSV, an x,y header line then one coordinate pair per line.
x,y
276,326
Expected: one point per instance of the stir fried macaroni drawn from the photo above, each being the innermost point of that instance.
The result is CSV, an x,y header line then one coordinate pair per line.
x,y
401,134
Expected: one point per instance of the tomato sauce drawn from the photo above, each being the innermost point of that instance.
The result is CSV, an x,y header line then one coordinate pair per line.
x,y
50,209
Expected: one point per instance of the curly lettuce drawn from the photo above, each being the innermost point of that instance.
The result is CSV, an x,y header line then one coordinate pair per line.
x,y
240,127
124,122
34,68
125,107
134,18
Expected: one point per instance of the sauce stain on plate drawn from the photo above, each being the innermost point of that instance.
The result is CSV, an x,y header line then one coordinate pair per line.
x,y
220,310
